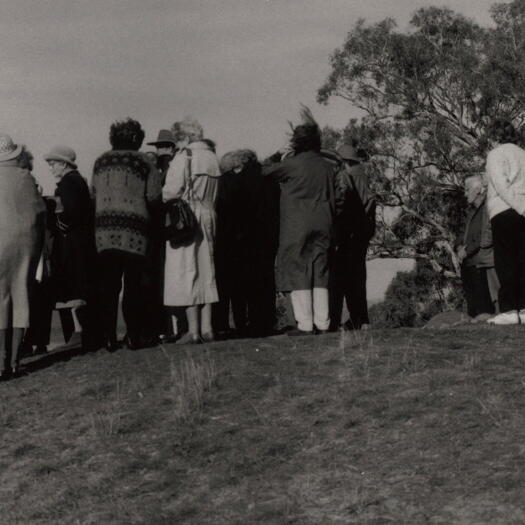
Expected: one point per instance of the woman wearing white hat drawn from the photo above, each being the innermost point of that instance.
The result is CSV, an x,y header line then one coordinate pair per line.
x,y
22,215
73,255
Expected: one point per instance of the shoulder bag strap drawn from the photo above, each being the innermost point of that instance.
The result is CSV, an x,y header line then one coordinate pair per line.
x,y
189,180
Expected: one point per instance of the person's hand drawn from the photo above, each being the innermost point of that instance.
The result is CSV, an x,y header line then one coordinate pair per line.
x,y
462,253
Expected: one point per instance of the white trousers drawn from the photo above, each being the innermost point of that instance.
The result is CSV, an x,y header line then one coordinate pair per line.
x,y
310,307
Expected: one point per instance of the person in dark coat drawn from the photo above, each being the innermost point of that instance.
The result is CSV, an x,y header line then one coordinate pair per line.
x,y
73,253
306,229
355,226
246,244
228,249
477,254
260,236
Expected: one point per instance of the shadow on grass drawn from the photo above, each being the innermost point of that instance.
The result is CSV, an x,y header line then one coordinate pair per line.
x,y
32,364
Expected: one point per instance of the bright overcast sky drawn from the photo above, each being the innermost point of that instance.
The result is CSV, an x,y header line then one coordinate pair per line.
x,y
71,67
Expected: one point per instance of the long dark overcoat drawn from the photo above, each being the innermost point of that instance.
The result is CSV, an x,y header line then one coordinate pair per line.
x,y
306,221
73,254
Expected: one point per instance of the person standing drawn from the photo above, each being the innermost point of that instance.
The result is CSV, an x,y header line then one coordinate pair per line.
x,y
306,229
123,189
505,173
189,278
166,147
73,253
477,258
23,216
354,226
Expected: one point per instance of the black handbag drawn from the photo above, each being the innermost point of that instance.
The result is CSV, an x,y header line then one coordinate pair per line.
x,y
181,224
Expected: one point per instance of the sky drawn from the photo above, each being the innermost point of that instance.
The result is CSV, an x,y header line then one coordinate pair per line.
x,y
241,67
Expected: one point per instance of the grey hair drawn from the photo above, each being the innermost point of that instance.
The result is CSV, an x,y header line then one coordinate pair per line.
x,y
189,128
230,161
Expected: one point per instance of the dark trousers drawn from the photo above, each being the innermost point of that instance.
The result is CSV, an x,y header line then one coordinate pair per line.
x,y
348,282
508,232
248,285
259,284
113,266
157,316
40,314
476,288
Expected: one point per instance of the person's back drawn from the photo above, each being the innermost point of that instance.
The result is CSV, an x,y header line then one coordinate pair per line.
x,y
306,228
307,177
506,179
306,200
20,204
120,189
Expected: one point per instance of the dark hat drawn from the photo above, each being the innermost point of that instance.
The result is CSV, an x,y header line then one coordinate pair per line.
x,y
165,137
346,152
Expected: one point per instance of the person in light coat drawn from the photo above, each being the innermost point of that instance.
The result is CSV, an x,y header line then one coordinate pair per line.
x,y
22,215
505,172
189,277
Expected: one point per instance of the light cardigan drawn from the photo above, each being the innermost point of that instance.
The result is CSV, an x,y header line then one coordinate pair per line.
x,y
505,173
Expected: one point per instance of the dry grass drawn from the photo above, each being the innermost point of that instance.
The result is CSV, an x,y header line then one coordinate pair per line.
x,y
400,426
190,380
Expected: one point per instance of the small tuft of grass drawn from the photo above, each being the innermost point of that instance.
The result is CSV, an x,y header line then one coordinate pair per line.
x,y
190,380
107,421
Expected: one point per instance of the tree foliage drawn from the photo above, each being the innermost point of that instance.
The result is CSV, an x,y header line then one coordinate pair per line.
x,y
414,297
427,96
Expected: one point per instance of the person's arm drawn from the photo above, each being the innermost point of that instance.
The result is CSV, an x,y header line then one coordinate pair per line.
x,y
175,178
153,185
497,175
276,171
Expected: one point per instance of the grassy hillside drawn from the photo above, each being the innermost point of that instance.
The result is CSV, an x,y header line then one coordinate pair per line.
x,y
405,426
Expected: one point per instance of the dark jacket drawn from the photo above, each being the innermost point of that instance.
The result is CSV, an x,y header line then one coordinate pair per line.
x,y
477,237
73,252
355,206
306,220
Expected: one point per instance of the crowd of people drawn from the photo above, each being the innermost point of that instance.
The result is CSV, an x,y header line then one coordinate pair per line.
x,y
298,223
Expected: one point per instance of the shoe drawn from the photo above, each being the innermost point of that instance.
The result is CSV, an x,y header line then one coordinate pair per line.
x,y
5,376
208,337
296,332
189,339
150,342
505,318
112,346
133,343
483,318
39,350
16,372
167,338
74,342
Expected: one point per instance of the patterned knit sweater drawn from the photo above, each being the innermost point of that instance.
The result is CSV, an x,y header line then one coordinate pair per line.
x,y
122,189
